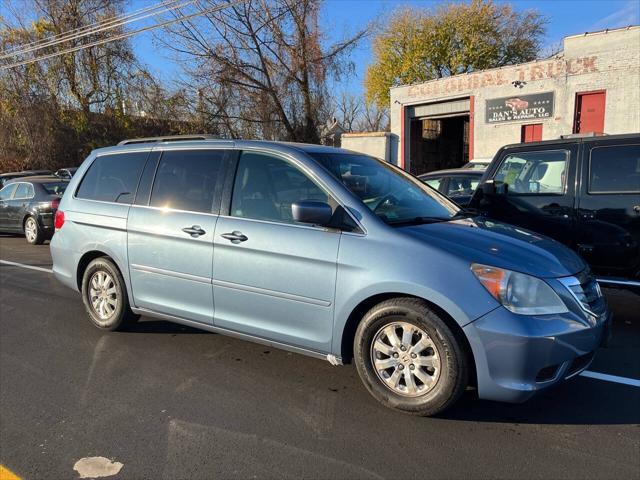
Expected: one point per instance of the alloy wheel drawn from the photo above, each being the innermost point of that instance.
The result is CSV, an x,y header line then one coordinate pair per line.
x,y
103,295
31,230
405,359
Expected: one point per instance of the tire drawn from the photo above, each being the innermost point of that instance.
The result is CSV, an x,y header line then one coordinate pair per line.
x,y
32,231
439,358
104,294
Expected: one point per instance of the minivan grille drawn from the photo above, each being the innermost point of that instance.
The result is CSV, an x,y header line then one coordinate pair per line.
x,y
588,293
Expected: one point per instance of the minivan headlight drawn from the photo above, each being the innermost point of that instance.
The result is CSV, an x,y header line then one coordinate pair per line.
x,y
518,292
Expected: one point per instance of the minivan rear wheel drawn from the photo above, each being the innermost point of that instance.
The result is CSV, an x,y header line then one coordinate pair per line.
x,y
408,358
105,295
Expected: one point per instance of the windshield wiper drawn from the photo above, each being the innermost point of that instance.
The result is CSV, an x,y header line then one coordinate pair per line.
x,y
464,214
419,220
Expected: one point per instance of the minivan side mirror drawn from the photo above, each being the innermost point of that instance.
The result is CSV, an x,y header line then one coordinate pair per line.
x,y
308,211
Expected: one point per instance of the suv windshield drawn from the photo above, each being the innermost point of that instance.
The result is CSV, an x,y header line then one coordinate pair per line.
x,y
393,195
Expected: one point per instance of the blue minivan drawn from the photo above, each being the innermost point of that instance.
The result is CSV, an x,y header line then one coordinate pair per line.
x,y
329,253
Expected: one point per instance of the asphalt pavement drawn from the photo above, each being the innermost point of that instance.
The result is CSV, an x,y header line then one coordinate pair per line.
x,y
171,402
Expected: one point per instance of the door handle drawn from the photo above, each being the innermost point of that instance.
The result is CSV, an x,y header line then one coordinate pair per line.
x,y
235,237
194,231
636,208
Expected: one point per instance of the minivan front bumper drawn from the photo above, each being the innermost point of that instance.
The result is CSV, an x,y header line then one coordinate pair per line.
x,y
517,356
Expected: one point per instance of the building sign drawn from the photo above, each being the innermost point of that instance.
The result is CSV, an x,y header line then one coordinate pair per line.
x,y
515,75
519,107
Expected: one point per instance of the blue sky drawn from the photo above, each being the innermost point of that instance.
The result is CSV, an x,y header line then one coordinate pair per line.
x,y
339,17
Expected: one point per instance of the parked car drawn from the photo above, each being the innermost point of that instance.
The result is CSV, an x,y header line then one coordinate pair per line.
x,y
330,253
457,184
584,192
477,164
66,173
5,177
28,206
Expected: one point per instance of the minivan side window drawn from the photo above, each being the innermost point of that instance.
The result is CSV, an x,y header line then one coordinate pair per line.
x,y
266,187
5,193
188,180
615,169
113,178
534,173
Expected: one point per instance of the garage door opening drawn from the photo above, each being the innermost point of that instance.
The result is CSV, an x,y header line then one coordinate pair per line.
x,y
438,143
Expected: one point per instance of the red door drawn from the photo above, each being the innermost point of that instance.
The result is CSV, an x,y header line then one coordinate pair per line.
x,y
531,133
589,112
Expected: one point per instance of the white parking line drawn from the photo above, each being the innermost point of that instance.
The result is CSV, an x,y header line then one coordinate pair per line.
x,y
30,267
611,378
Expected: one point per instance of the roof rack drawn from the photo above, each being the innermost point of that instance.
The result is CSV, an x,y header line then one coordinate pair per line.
x,y
583,135
169,138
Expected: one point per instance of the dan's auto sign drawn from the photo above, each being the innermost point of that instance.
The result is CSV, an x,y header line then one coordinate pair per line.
x,y
519,107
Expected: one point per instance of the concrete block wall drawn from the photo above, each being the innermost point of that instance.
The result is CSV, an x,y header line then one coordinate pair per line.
x,y
376,144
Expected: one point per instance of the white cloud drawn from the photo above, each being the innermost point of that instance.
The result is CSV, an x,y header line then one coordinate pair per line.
x,y
628,14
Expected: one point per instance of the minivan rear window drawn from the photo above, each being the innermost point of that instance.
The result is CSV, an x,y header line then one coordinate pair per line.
x,y
113,178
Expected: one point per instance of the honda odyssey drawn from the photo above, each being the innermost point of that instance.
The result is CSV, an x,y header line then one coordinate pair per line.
x,y
329,253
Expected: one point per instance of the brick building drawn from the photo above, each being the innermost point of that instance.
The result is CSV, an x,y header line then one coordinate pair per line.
x,y
592,85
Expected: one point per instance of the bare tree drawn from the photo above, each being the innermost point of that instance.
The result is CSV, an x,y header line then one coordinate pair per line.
x,y
348,110
262,65
354,114
373,118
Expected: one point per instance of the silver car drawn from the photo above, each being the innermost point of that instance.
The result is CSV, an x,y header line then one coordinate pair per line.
x,y
329,253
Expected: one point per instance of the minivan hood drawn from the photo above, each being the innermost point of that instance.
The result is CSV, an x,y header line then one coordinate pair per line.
x,y
480,240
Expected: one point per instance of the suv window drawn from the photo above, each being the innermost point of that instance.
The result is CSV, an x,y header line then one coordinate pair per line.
x,y
113,178
187,180
615,169
534,173
24,191
266,187
5,193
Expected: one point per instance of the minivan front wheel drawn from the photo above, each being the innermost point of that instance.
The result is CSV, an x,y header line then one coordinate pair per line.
x,y
408,358
104,295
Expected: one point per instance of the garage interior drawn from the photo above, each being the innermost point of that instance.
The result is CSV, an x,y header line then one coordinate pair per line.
x,y
439,136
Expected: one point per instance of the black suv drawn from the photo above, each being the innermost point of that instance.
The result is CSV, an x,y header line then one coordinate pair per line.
x,y
584,192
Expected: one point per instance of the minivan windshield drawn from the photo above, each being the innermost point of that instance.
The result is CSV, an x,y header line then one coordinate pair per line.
x,y
389,192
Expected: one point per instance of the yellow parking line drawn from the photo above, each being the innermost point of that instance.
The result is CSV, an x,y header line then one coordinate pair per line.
x,y
6,474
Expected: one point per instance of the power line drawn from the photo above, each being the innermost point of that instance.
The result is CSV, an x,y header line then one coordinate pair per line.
x,y
100,27
85,27
123,35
